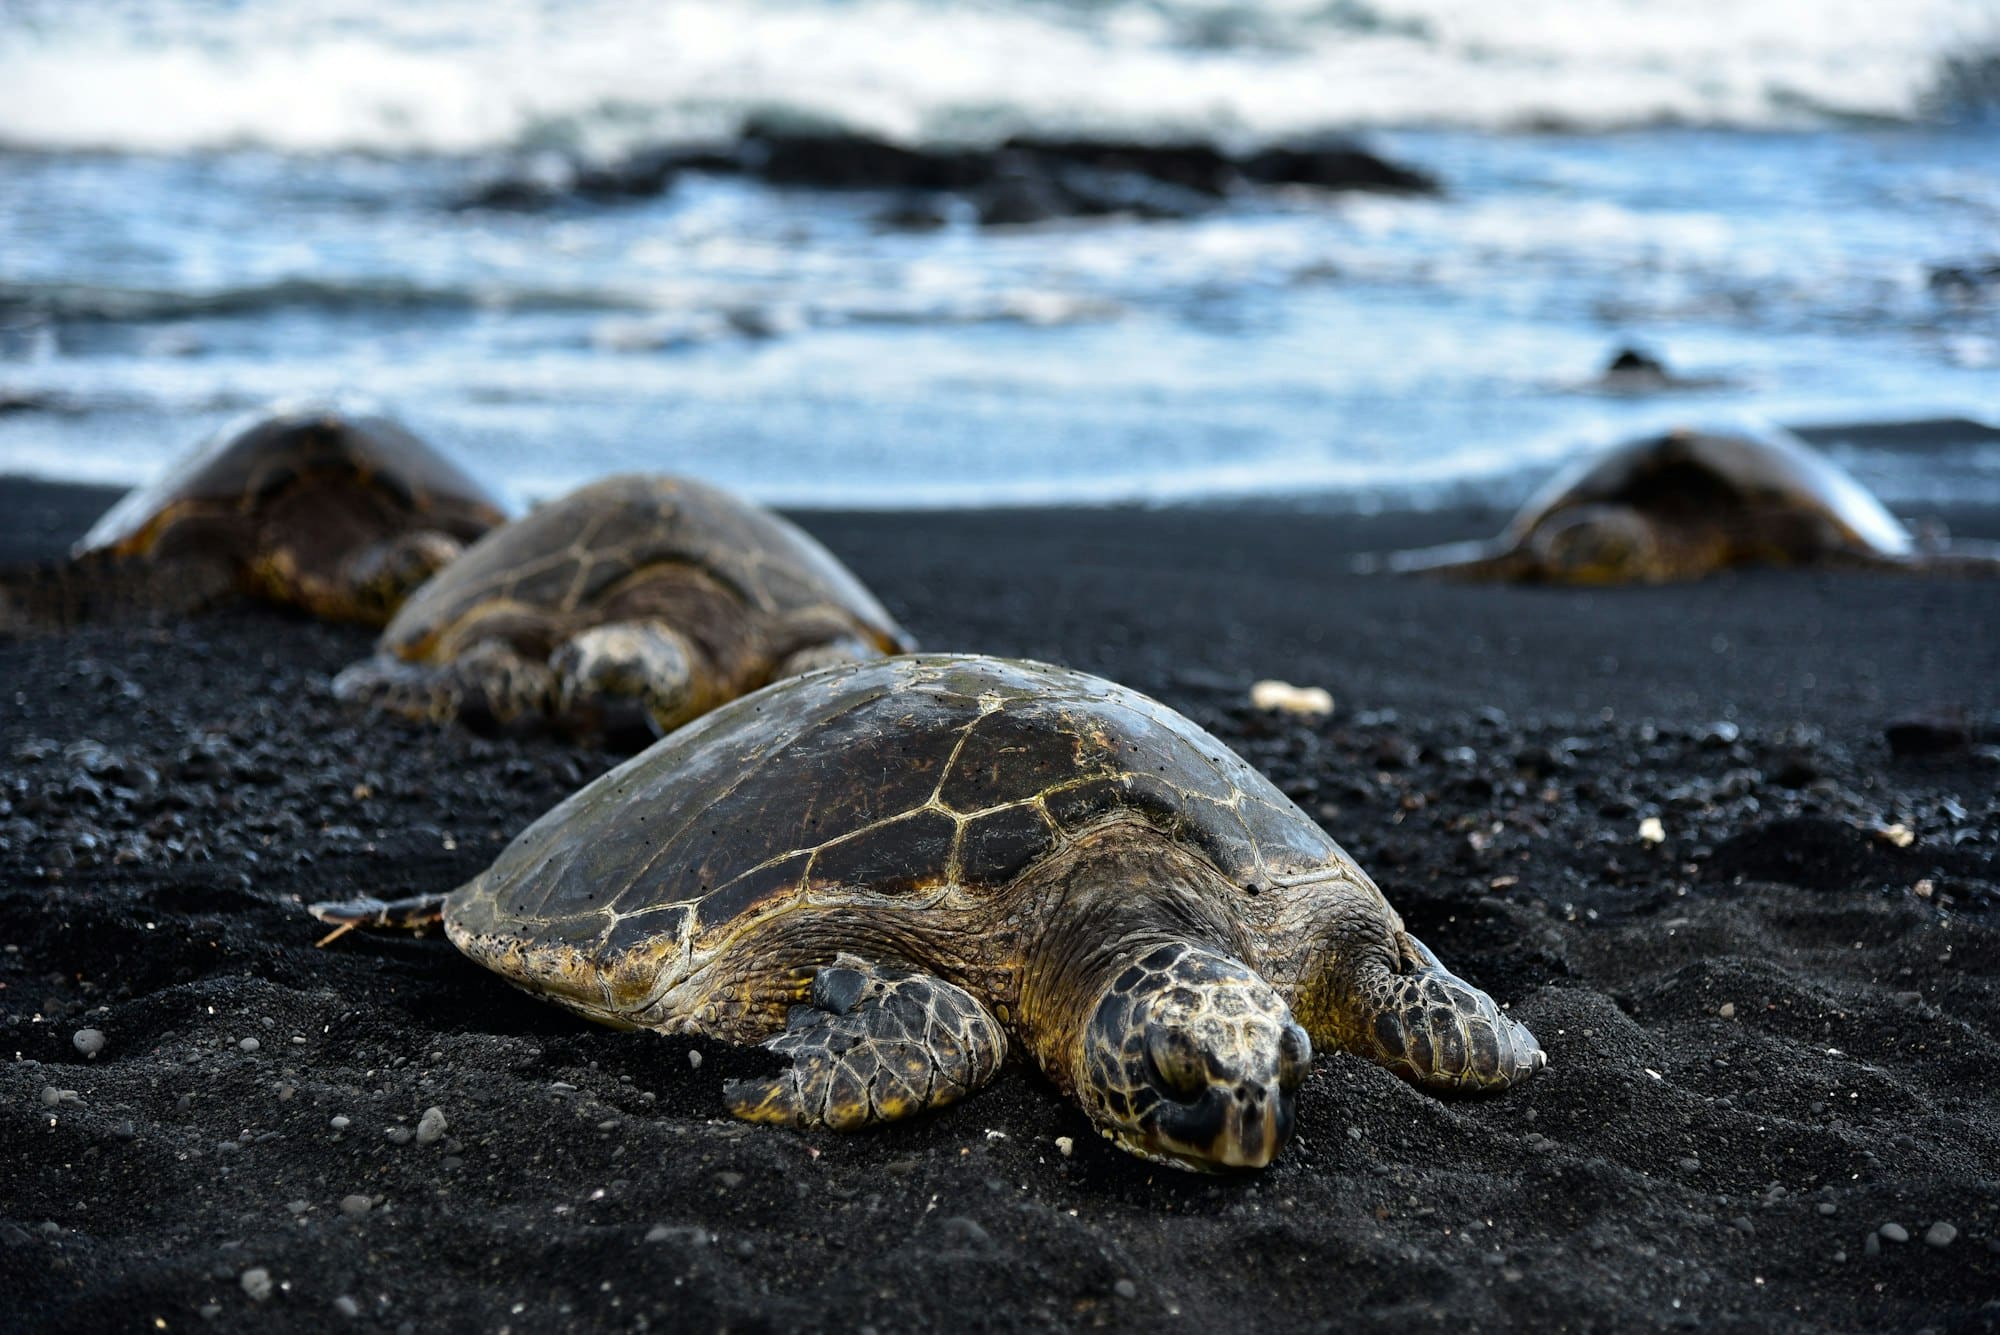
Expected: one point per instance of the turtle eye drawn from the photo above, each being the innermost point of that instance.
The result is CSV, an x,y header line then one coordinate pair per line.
x,y
1177,1063
1295,1057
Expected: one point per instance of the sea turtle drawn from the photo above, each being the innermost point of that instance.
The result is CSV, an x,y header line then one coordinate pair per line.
x,y
627,607
897,873
338,513
1686,504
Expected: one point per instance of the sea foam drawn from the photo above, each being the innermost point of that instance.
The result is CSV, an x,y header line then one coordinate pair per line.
x,y
461,76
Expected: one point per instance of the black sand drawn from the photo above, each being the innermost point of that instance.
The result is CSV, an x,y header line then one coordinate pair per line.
x,y
1772,1036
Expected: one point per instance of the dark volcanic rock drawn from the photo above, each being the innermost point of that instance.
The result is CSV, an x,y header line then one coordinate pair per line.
x,y
1018,196
1336,164
1632,361
849,160
1191,166
1966,283
1024,179
1930,733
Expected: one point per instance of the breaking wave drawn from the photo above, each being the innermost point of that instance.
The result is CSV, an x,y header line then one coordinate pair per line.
x,y
462,76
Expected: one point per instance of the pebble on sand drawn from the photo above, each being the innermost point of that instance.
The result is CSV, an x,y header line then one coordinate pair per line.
x,y
89,1042
1941,1234
256,1282
1893,1232
1290,699
1897,835
354,1206
1651,831
346,1306
431,1126
250,1044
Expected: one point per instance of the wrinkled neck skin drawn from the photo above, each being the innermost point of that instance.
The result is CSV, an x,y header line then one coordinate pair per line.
x,y
1116,894
1320,944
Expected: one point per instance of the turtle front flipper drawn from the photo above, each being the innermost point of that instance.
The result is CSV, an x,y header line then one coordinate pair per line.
x,y
1453,560
490,686
1435,1030
870,1045
1964,560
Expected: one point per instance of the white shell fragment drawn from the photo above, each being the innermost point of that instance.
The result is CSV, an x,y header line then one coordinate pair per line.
x,y
1282,695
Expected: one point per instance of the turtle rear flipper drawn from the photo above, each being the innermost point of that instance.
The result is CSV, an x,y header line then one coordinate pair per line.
x,y
1968,559
1456,560
873,1045
100,587
419,913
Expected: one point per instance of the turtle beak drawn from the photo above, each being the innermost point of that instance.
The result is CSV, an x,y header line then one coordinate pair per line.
x,y
1240,1127
1223,1109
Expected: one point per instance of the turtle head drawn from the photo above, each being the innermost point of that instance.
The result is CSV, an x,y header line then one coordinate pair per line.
x,y
379,577
1597,544
1189,1058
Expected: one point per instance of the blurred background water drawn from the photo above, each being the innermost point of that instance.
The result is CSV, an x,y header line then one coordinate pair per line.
x,y
207,205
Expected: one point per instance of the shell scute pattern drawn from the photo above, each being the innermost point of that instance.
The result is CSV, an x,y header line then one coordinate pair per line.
x,y
999,845
703,829
242,468
1007,755
579,551
906,853
661,921
765,883
1681,472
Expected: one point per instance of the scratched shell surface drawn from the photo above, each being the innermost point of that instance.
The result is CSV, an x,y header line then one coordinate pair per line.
x,y
242,465
565,554
1771,470
894,780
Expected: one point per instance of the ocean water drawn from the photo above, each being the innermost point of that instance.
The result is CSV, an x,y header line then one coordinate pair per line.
x,y
206,206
